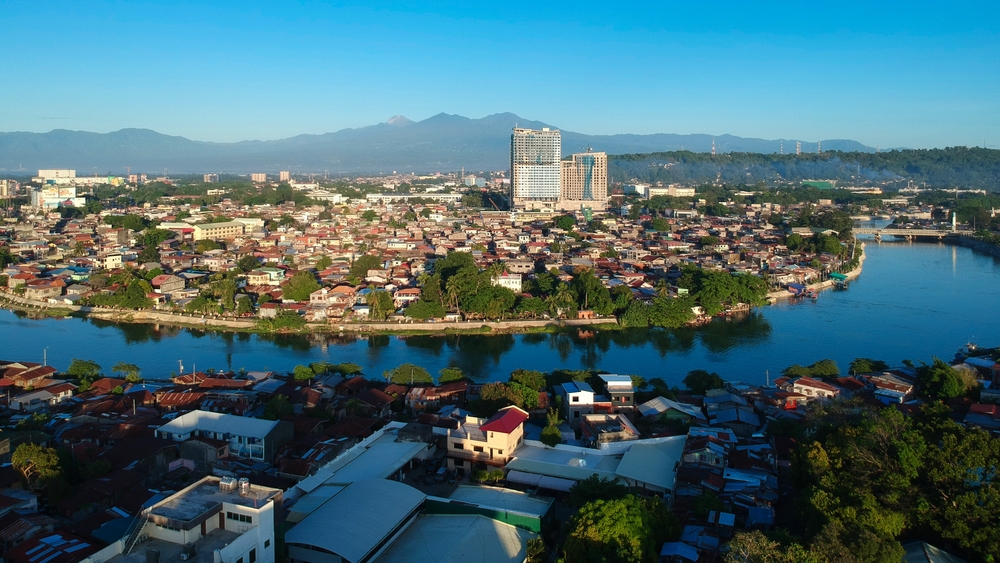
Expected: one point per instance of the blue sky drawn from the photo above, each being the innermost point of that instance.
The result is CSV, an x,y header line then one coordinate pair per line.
x,y
884,73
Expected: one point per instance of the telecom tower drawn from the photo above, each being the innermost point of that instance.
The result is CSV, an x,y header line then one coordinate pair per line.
x,y
798,147
713,146
781,147
819,147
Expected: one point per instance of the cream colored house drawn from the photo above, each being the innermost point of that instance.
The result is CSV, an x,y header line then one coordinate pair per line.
x,y
488,441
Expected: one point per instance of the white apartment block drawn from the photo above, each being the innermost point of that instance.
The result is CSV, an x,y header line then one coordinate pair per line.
x,y
535,167
510,281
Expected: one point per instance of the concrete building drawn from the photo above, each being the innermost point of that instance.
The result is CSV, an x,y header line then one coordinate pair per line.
x,y
51,196
212,521
62,177
211,178
250,438
584,182
619,389
578,400
535,168
510,281
258,177
216,231
285,176
491,442
9,188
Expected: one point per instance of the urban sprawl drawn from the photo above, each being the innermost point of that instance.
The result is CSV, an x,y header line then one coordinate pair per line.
x,y
328,463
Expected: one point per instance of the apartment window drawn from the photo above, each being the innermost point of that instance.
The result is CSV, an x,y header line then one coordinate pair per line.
x,y
240,560
499,452
239,517
477,448
253,555
267,543
458,446
575,399
576,414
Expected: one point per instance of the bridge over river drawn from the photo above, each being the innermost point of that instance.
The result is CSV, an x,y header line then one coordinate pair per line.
x,y
910,234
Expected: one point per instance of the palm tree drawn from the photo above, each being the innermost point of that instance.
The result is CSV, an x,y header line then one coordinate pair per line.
x,y
453,291
352,406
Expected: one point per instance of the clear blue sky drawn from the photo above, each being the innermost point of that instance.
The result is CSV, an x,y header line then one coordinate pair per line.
x,y
884,73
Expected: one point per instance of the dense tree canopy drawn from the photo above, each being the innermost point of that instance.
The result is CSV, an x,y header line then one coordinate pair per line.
x,y
700,381
300,286
629,529
872,476
408,374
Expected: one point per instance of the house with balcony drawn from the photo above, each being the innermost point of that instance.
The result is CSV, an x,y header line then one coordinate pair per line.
x,y
486,441
619,389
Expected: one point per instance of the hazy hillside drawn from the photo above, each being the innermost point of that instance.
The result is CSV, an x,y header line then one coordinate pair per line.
x,y
945,168
443,142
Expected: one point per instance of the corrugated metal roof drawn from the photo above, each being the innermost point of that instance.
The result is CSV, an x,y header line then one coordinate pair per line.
x,y
355,521
221,423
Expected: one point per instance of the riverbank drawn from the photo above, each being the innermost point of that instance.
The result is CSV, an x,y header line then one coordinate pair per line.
x,y
209,322
403,328
911,299
976,245
827,284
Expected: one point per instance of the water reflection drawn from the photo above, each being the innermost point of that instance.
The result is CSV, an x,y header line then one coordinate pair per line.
x,y
724,335
911,302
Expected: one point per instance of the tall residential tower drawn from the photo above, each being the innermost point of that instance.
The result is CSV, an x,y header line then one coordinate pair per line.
x,y
584,182
542,180
535,167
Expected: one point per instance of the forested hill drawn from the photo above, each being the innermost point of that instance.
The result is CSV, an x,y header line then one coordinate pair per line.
x,y
941,168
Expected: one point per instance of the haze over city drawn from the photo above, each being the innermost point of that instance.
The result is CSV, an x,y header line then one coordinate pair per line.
x,y
920,75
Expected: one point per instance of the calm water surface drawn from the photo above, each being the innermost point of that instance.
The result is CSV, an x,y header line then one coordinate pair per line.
x,y
913,301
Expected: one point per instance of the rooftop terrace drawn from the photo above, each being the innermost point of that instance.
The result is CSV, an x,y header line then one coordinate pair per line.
x,y
204,496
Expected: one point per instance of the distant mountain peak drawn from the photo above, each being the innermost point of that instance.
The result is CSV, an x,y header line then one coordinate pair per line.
x,y
399,121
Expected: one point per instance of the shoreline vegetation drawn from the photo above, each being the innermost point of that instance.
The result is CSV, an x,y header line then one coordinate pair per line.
x,y
40,309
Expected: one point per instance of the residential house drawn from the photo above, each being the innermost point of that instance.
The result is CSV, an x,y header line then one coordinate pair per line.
x,y
420,399
167,283
621,392
486,441
578,400
250,438
602,428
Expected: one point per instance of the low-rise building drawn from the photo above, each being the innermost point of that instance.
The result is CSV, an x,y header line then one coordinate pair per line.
x,y
250,438
491,442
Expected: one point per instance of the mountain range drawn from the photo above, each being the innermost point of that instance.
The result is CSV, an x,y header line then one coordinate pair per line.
x,y
440,143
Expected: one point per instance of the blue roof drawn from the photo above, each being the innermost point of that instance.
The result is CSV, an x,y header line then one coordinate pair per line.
x,y
679,549
576,387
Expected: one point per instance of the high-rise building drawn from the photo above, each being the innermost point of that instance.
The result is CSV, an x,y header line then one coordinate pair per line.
x,y
285,176
584,181
258,177
535,167
211,178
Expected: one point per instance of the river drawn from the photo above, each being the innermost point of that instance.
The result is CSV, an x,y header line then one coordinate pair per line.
x,y
912,301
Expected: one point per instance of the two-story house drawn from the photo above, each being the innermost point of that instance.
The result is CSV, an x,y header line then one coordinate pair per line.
x,y
620,390
578,400
488,442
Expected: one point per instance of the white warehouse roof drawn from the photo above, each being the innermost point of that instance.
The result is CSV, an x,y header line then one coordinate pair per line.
x,y
221,423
